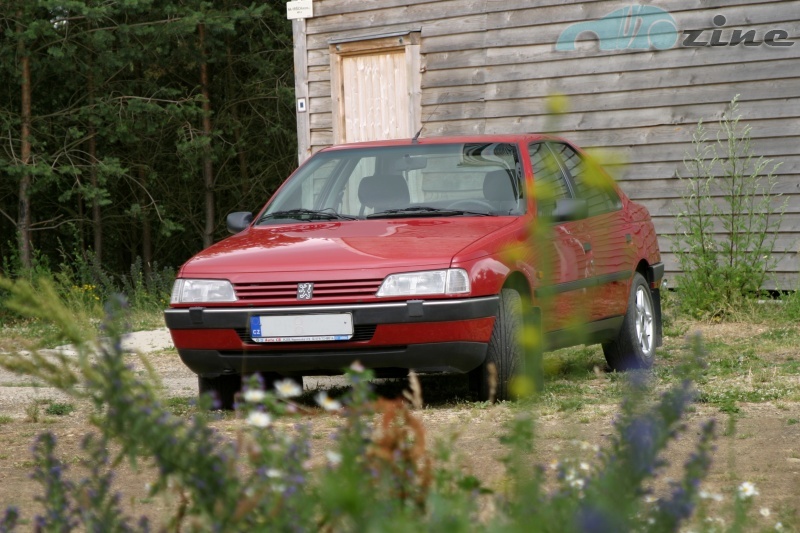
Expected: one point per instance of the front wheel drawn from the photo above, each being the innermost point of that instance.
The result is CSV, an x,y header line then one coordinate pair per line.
x,y
223,389
505,350
635,345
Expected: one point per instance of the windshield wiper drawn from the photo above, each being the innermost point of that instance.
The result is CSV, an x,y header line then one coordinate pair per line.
x,y
307,214
425,211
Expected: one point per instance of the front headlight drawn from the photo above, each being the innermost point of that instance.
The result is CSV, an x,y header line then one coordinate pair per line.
x,y
451,281
202,291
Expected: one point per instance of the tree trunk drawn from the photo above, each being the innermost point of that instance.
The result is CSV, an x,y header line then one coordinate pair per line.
x,y
97,226
24,214
237,127
208,168
147,232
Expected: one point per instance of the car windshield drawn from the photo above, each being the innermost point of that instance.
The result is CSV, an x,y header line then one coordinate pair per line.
x,y
458,179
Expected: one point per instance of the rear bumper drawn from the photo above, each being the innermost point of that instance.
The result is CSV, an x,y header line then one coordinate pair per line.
x,y
425,335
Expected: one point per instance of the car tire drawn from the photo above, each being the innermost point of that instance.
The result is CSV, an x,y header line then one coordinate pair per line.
x,y
504,351
635,345
223,388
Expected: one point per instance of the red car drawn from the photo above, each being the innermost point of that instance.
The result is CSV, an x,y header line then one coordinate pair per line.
x,y
424,254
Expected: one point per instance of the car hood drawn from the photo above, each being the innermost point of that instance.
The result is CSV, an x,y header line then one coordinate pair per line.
x,y
361,244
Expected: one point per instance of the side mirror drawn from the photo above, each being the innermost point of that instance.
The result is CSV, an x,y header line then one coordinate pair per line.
x,y
239,221
569,209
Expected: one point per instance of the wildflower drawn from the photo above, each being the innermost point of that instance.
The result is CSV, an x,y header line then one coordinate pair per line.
x,y
710,496
764,511
259,419
288,388
254,395
778,526
747,490
274,473
334,458
329,404
650,499
584,466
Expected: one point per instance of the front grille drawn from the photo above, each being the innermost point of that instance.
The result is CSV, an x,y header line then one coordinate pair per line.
x,y
361,332
323,290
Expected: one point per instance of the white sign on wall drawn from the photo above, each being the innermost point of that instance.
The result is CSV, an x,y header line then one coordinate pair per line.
x,y
299,9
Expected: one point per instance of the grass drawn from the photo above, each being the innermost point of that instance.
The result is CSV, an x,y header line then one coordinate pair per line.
x,y
59,409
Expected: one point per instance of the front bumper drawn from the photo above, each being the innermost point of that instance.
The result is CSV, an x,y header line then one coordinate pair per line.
x,y
391,337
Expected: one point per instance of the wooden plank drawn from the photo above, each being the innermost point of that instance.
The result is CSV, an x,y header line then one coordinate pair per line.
x,y
350,18
319,89
787,261
771,148
668,189
353,17
301,89
665,225
657,169
714,95
678,111
622,83
672,206
535,62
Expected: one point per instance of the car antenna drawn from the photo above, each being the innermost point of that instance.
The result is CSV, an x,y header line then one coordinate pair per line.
x,y
415,139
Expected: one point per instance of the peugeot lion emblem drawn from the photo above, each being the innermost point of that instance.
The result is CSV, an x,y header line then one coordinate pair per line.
x,y
305,291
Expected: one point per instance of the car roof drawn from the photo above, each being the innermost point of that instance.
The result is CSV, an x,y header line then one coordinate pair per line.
x,y
506,138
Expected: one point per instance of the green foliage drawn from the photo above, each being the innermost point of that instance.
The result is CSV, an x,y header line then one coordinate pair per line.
x,y
378,472
728,220
116,124
59,409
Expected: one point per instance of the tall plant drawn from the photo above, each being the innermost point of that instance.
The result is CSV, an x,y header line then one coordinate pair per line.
x,y
727,220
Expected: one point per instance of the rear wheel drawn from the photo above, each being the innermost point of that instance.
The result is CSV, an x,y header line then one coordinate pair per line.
x,y
504,352
223,388
635,345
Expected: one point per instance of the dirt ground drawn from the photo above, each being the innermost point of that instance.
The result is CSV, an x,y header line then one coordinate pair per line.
x,y
764,449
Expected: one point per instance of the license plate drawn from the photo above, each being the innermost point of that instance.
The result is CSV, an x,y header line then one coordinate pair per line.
x,y
302,328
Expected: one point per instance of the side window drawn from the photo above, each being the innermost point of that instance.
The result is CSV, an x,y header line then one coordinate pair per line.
x,y
595,189
549,181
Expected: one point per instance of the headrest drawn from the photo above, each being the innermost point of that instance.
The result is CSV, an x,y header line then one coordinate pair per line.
x,y
497,186
384,191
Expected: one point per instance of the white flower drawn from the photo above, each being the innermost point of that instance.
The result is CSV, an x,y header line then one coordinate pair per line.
x,y
274,473
650,499
288,388
329,404
357,367
764,511
577,483
259,419
778,526
710,496
254,395
584,466
747,490
334,458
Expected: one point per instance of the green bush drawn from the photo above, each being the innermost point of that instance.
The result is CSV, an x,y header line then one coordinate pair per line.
x,y
727,220
379,474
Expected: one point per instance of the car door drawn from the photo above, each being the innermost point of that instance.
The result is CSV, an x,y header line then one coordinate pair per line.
x,y
563,263
608,233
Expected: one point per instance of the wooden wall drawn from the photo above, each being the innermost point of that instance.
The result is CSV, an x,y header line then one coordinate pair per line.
x,y
489,65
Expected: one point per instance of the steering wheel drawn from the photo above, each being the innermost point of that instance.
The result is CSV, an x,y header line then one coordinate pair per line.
x,y
469,204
